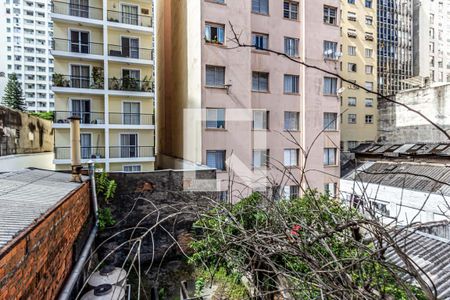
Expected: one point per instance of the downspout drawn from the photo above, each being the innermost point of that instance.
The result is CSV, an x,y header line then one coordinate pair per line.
x,y
78,268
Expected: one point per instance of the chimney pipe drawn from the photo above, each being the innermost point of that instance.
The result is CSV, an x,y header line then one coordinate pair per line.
x,y
75,146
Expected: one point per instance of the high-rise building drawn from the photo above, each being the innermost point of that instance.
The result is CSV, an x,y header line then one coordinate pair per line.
x,y
248,113
104,67
25,41
358,63
395,45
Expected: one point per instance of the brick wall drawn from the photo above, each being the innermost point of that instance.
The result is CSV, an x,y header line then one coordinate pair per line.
x,y
39,261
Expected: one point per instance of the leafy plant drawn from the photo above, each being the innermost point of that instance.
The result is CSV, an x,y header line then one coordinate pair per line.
x,y
13,96
106,187
105,218
97,78
44,115
59,80
114,84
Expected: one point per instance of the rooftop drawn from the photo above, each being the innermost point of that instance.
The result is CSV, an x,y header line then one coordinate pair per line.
x,y
437,150
28,194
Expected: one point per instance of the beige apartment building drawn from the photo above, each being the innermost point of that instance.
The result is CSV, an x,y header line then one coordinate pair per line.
x,y
358,62
104,65
248,113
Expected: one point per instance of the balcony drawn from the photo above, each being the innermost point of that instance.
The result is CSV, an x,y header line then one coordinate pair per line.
x,y
134,21
131,152
63,153
72,13
77,84
131,86
68,48
88,119
130,54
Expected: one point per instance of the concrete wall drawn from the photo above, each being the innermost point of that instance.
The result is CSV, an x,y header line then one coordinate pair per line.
x,y
37,262
398,125
22,161
22,133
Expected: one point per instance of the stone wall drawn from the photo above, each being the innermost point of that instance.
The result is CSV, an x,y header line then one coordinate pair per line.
x,y
36,265
23,133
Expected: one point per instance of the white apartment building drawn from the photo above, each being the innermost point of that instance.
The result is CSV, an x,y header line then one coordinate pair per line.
x,y
25,42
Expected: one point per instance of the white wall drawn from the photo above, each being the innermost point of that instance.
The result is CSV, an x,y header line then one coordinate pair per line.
x,y
16,162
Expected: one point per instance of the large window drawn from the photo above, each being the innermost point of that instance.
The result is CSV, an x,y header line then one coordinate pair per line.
x,y
130,14
86,145
131,113
260,119
260,81
260,7
80,76
215,33
291,83
130,47
290,10
215,118
260,40
82,108
330,15
290,157
260,158
215,76
215,159
330,121
329,156
291,46
291,120
79,41
79,8
329,49
129,145
329,86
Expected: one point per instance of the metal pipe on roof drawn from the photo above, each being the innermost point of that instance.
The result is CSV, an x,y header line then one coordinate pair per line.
x,y
75,148
67,290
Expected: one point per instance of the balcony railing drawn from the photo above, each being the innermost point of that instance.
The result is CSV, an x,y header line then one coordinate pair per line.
x,y
130,84
130,52
86,152
129,18
131,119
62,117
131,151
77,46
77,10
74,81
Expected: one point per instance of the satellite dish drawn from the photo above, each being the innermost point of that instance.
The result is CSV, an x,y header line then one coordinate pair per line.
x,y
338,54
328,52
340,91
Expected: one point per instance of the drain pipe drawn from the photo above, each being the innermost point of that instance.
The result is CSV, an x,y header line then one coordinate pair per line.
x,y
79,265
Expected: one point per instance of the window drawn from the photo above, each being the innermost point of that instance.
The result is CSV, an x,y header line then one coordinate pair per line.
x,y
260,7
351,50
291,120
352,67
132,168
352,144
260,81
368,102
129,145
290,10
260,41
368,85
351,1
329,86
215,76
215,33
329,15
291,46
215,118
368,52
369,69
290,157
369,119
351,118
129,13
330,121
80,76
215,159
130,47
291,84
132,113
291,192
351,101
86,144
329,156
260,119
260,158
351,16
80,8
369,20
329,49
330,189
368,3
79,41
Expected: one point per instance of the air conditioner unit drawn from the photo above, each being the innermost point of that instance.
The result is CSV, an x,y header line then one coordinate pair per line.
x,y
352,34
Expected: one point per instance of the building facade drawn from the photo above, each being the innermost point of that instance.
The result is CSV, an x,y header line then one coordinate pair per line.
x,y
25,42
395,45
358,63
104,67
243,110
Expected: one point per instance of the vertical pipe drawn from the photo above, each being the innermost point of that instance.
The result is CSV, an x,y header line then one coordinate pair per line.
x,y
75,145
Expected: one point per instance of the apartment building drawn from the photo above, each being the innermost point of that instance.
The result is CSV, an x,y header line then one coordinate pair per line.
x,y
104,65
358,63
251,114
395,45
25,40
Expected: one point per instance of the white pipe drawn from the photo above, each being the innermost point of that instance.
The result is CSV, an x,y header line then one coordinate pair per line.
x,y
78,268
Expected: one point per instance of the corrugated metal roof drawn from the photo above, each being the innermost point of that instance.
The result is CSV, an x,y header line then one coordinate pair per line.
x,y
419,177
429,252
26,195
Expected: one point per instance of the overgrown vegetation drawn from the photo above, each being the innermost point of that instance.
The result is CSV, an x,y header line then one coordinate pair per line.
x,y
307,248
44,115
105,218
106,189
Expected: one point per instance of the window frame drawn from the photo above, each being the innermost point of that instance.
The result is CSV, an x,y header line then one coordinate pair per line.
x,y
215,85
208,32
260,87
265,119
330,160
295,84
289,10
260,10
217,120
328,18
